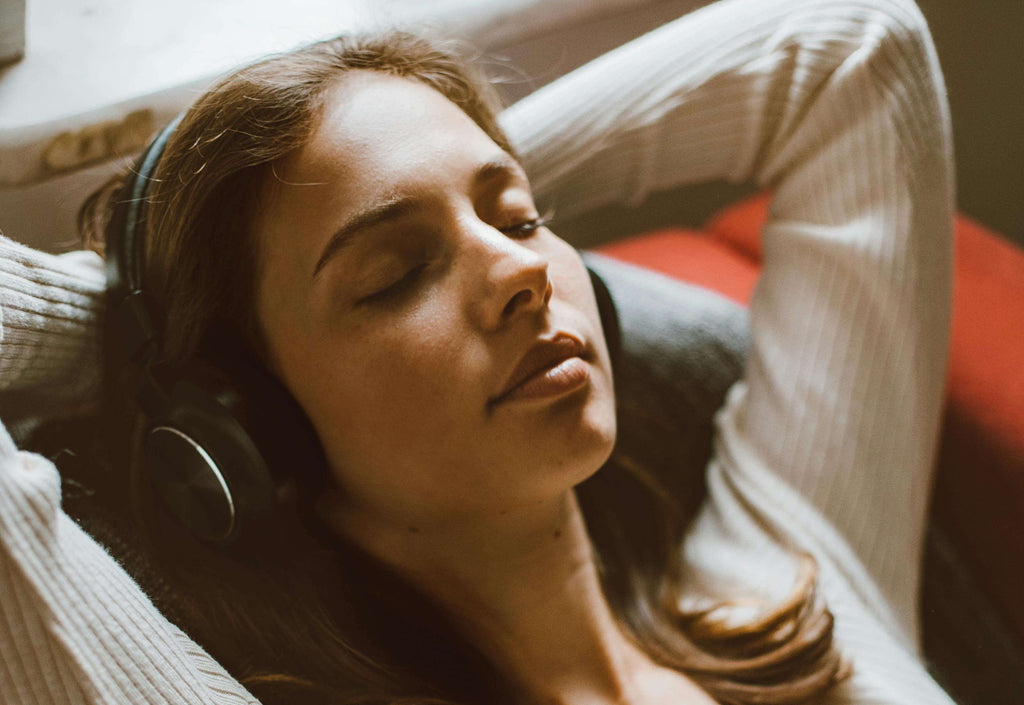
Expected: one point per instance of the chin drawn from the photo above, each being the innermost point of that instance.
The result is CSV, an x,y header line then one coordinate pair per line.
x,y
572,443
597,440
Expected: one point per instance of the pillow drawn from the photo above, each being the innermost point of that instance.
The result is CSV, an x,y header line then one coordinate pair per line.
x,y
676,350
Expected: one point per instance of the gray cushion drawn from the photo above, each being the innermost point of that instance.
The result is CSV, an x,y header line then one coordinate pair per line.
x,y
677,350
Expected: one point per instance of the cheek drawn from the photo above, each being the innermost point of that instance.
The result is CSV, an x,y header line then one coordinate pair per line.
x,y
576,288
382,393
398,383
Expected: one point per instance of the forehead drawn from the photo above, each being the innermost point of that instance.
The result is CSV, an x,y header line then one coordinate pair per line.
x,y
378,137
376,130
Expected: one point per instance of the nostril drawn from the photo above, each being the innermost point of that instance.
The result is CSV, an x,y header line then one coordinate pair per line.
x,y
521,298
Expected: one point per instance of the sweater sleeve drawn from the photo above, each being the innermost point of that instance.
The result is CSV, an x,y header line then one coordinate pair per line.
x,y
840,108
49,330
74,627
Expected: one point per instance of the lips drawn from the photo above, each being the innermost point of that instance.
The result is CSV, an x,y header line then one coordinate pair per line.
x,y
542,356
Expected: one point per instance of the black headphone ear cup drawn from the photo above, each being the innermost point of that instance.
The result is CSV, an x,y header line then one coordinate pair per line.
x,y
273,419
229,436
205,466
189,483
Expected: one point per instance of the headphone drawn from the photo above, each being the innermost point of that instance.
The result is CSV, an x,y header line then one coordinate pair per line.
x,y
220,433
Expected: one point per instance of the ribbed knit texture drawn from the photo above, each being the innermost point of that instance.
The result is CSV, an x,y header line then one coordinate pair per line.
x,y
828,442
48,331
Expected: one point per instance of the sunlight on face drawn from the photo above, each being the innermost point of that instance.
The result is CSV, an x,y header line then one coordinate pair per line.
x,y
400,289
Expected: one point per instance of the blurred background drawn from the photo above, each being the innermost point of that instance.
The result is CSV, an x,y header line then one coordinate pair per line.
x,y
97,76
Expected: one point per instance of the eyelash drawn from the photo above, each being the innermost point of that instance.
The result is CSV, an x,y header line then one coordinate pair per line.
x,y
396,288
410,277
531,225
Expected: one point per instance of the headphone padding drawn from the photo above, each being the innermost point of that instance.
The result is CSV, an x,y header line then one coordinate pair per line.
x,y
216,502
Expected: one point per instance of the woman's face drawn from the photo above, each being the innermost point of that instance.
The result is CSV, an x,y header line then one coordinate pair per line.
x,y
399,291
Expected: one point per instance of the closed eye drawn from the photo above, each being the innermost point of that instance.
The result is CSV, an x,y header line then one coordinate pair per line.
x,y
530,225
407,280
396,288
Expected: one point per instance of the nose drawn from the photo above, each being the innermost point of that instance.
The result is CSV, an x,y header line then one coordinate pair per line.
x,y
514,280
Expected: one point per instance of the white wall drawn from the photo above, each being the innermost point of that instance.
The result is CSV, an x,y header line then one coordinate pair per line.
x,y
100,75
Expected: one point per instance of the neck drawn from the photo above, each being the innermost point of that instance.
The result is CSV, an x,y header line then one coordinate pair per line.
x,y
524,585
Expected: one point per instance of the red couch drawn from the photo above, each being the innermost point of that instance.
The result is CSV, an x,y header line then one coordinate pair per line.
x,y
978,498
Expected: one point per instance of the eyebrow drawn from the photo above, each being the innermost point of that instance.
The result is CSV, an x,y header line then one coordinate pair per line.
x,y
503,166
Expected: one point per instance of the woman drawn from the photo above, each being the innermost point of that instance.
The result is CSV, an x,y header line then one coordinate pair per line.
x,y
355,212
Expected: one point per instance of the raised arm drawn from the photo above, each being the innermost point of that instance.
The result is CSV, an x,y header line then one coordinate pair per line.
x,y
74,627
839,107
49,331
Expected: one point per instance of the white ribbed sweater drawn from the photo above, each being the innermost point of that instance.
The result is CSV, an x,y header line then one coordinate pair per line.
x,y
828,442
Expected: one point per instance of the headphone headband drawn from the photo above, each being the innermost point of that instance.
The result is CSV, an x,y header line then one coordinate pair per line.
x,y
138,205
125,236
129,312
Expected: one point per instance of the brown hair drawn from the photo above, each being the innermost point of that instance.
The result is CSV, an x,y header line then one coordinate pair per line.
x,y
306,622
